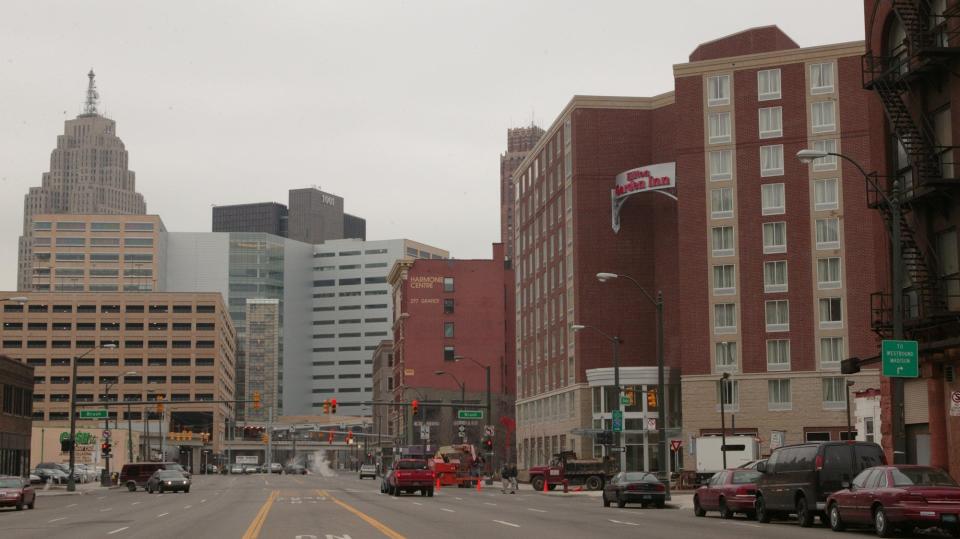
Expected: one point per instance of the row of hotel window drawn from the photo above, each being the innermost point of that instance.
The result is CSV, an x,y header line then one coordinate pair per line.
x,y
775,237
127,397
826,196
93,273
768,84
777,315
94,227
60,380
70,241
93,257
771,160
156,308
17,343
778,354
775,272
115,362
823,119
108,326
779,394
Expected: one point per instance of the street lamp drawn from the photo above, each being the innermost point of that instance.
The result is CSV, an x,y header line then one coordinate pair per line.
x,y
486,368
661,385
617,439
105,477
71,482
463,385
723,420
19,299
849,428
892,201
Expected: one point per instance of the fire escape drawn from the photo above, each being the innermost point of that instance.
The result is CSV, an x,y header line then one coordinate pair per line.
x,y
898,78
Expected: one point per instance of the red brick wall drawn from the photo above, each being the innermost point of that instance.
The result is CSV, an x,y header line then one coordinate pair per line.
x,y
752,41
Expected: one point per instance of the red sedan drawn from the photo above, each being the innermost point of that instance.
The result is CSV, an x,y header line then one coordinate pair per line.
x,y
16,492
729,492
892,498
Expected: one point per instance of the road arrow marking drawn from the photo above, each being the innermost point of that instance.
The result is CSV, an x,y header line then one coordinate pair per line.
x,y
507,523
118,530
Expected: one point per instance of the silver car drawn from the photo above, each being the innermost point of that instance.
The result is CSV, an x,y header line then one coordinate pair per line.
x,y
368,470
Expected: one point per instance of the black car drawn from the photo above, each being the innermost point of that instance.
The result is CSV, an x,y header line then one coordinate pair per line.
x,y
634,487
797,479
168,480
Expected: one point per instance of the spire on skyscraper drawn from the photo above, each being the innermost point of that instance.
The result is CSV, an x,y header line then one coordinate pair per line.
x,y
90,107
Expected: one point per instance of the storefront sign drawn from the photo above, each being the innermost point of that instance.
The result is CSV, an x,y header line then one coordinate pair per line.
x,y
777,438
640,180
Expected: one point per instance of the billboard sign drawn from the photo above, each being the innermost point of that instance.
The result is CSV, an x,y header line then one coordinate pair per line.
x,y
640,180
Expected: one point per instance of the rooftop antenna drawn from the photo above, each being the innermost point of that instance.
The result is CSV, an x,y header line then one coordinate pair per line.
x,y
90,106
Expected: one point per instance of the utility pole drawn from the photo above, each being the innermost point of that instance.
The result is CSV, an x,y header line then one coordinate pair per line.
x,y
269,459
896,274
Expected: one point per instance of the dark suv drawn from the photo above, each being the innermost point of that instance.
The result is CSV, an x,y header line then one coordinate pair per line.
x,y
797,479
137,474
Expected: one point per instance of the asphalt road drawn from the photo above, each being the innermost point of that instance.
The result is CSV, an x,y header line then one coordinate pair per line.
x,y
308,507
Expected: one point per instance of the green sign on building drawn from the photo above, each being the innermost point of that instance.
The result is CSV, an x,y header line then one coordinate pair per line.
x,y
469,414
617,417
93,414
901,359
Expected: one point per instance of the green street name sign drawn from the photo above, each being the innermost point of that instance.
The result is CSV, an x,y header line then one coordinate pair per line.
x,y
624,400
617,421
93,414
469,414
901,359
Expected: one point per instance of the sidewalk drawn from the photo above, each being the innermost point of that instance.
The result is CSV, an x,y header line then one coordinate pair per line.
x,y
61,490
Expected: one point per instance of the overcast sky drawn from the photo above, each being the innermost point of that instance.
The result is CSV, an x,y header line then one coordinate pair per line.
x,y
401,107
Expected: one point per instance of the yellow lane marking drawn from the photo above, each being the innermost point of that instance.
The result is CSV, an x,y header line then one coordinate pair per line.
x,y
254,530
382,528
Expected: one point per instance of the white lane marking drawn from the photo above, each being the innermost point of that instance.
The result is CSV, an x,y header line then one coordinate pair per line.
x,y
447,510
71,505
626,523
118,530
203,501
507,523
187,506
417,503
162,515
101,498
488,503
458,498
134,503
747,524
107,509
56,519
535,510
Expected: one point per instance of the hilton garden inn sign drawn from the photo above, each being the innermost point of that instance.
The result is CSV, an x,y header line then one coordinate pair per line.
x,y
654,178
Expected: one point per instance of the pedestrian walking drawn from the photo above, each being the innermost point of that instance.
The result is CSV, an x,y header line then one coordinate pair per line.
x,y
508,475
513,478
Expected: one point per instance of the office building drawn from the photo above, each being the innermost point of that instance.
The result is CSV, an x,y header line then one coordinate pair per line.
x,y
382,381
312,216
169,346
454,316
262,351
520,140
16,408
268,217
88,174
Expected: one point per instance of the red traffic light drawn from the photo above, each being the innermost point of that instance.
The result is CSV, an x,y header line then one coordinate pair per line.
x,y
333,406
414,405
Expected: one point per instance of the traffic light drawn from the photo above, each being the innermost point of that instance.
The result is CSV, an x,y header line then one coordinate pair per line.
x,y
651,398
333,406
631,396
488,443
326,406
330,437
256,400
105,448
414,406
159,404
349,439
265,438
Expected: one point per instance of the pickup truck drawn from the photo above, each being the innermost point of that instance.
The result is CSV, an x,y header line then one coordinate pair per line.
x,y
409,475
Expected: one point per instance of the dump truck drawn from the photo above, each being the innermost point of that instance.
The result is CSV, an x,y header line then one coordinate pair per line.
x,y
453,464
565,466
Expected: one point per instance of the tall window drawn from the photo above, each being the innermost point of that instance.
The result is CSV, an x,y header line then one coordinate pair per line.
x,y
775,237
726,356
448,284
834,393
821,78
724,280
823,116
768,84
831,313
449,353
775,276
771,160
718,90
772,199
722,240
828,273
825,163
778,355
728,391
831,352
448,306
778,394
724,318
721,165
448,330
771,122
721,203
778,315
826,195
719,127
828,233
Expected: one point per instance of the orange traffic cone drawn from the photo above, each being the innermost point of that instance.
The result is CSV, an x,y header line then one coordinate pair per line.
x,y
545,485
479,484
578,489
438,482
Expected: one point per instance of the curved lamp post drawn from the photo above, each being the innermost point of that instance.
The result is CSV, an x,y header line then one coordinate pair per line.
x,y
71,482
615,340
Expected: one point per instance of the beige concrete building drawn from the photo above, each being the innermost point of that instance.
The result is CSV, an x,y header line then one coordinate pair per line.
x,y
170,346
89,173
96,253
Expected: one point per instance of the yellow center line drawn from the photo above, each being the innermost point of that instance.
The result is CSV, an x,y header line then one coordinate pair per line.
x,y
254,530
382,528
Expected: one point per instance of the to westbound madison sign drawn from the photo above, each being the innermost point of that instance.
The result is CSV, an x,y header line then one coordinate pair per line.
x,y
640,180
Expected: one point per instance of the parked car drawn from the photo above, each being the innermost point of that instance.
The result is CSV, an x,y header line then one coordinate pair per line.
x,y
410,475
236,469
78,476
295,469
892,498
797,479
89,473
16,492
251,468
729,492
137,474
275,467
54,476
634,487
168,480
752,465
368,470
35,479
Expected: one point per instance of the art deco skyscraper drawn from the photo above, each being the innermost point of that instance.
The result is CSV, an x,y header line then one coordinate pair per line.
x,y
520,140
88,175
